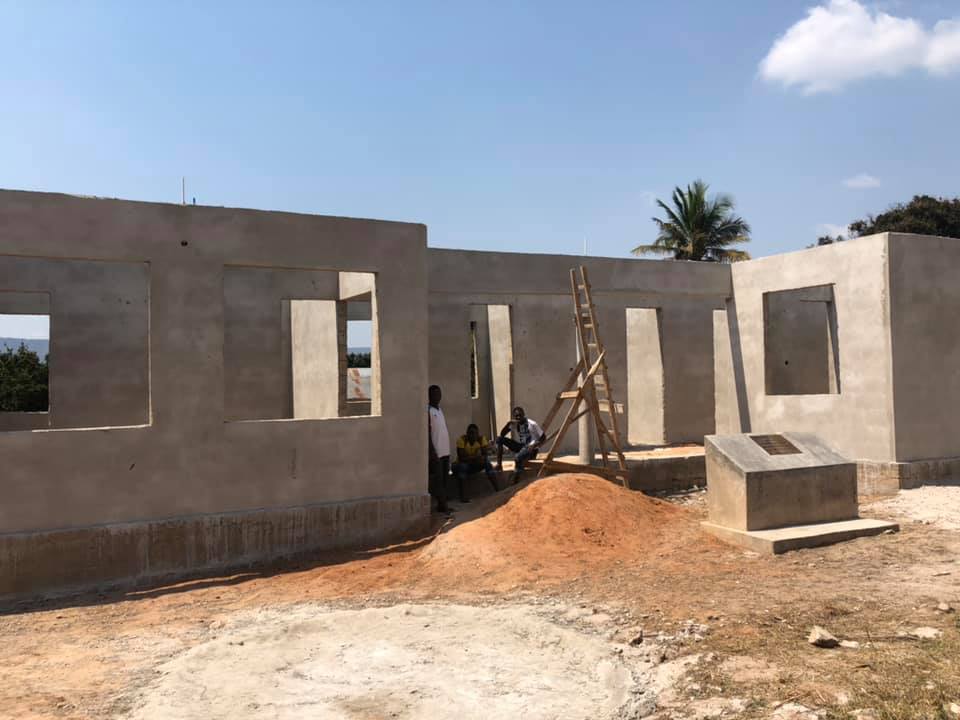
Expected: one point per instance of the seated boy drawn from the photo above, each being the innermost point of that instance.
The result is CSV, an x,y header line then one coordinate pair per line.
x,y
529,435
472,458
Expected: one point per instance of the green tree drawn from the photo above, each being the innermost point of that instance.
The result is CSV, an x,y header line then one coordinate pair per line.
x,y
24,381
924,215
698,227
827,240
358,360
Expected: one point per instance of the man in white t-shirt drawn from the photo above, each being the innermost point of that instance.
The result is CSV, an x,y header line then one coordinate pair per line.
x,y
526,440
439,442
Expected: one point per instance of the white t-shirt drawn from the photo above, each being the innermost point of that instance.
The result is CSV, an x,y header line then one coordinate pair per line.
x,y
532,434
439,436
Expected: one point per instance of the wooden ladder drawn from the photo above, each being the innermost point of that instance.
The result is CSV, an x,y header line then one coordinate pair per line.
x,y
593,390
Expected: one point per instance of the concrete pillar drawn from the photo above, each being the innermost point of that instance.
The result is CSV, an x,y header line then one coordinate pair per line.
x,y
584,424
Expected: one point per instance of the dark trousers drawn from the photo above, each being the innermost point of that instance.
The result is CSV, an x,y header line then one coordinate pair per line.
x,y
521,452
439,471
463,470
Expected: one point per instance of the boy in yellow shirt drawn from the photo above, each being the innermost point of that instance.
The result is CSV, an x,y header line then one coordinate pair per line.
x,y
472,450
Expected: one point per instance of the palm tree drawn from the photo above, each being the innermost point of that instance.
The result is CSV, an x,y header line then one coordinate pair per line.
x,y
699,228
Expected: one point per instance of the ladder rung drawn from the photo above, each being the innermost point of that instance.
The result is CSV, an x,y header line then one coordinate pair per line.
x,y
568,395
590,344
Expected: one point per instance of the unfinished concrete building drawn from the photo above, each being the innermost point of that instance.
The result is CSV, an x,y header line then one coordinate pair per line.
x,y
199,416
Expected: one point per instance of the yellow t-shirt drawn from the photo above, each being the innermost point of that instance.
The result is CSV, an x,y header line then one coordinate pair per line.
x,y
472,451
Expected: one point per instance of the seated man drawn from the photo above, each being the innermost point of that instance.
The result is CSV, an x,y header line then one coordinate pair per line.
x,y
472,458
528,436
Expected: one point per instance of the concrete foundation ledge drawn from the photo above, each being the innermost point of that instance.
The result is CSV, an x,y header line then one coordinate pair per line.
x,y
780,540
888,478
63,561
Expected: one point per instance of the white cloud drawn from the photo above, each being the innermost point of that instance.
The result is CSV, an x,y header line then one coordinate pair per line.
x,y
832,230
943,55
862,181
842,42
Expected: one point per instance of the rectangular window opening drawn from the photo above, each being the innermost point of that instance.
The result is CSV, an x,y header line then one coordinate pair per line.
x,y
24,364
801,349
334,352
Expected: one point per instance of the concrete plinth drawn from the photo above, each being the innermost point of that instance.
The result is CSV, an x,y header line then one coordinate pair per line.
x,y
759,482
795,537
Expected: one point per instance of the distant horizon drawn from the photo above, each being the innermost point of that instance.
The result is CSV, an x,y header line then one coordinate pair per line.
x,y
32,343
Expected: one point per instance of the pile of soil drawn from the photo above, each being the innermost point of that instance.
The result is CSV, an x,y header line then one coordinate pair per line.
x,y
553,529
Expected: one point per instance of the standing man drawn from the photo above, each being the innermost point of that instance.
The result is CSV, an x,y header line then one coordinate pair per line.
x,y
528,436
439,441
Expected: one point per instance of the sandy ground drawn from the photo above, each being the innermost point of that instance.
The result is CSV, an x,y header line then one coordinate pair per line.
x,y
411,661
573,559
937,505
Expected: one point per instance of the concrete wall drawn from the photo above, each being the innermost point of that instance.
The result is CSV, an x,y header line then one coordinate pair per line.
x,y
187,461
925,307
858,420
537,289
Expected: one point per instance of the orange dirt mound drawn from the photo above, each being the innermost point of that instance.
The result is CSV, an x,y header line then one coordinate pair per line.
x,y
555,528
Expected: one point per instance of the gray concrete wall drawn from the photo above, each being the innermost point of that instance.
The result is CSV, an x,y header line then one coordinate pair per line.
x,y
188,460
537,289
858,420
925,307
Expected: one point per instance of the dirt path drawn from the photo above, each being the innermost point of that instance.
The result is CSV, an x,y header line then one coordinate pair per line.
x,y
91,657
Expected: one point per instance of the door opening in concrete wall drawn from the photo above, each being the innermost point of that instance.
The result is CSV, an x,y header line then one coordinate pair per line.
x,y
24,369
645,380
474,379
801,348
491,365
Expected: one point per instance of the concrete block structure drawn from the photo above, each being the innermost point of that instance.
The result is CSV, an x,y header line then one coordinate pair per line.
x,y
757,482
852,341
201,417
176,440
779,482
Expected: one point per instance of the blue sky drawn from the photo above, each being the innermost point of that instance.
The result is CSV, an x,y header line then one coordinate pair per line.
x,y
501,126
